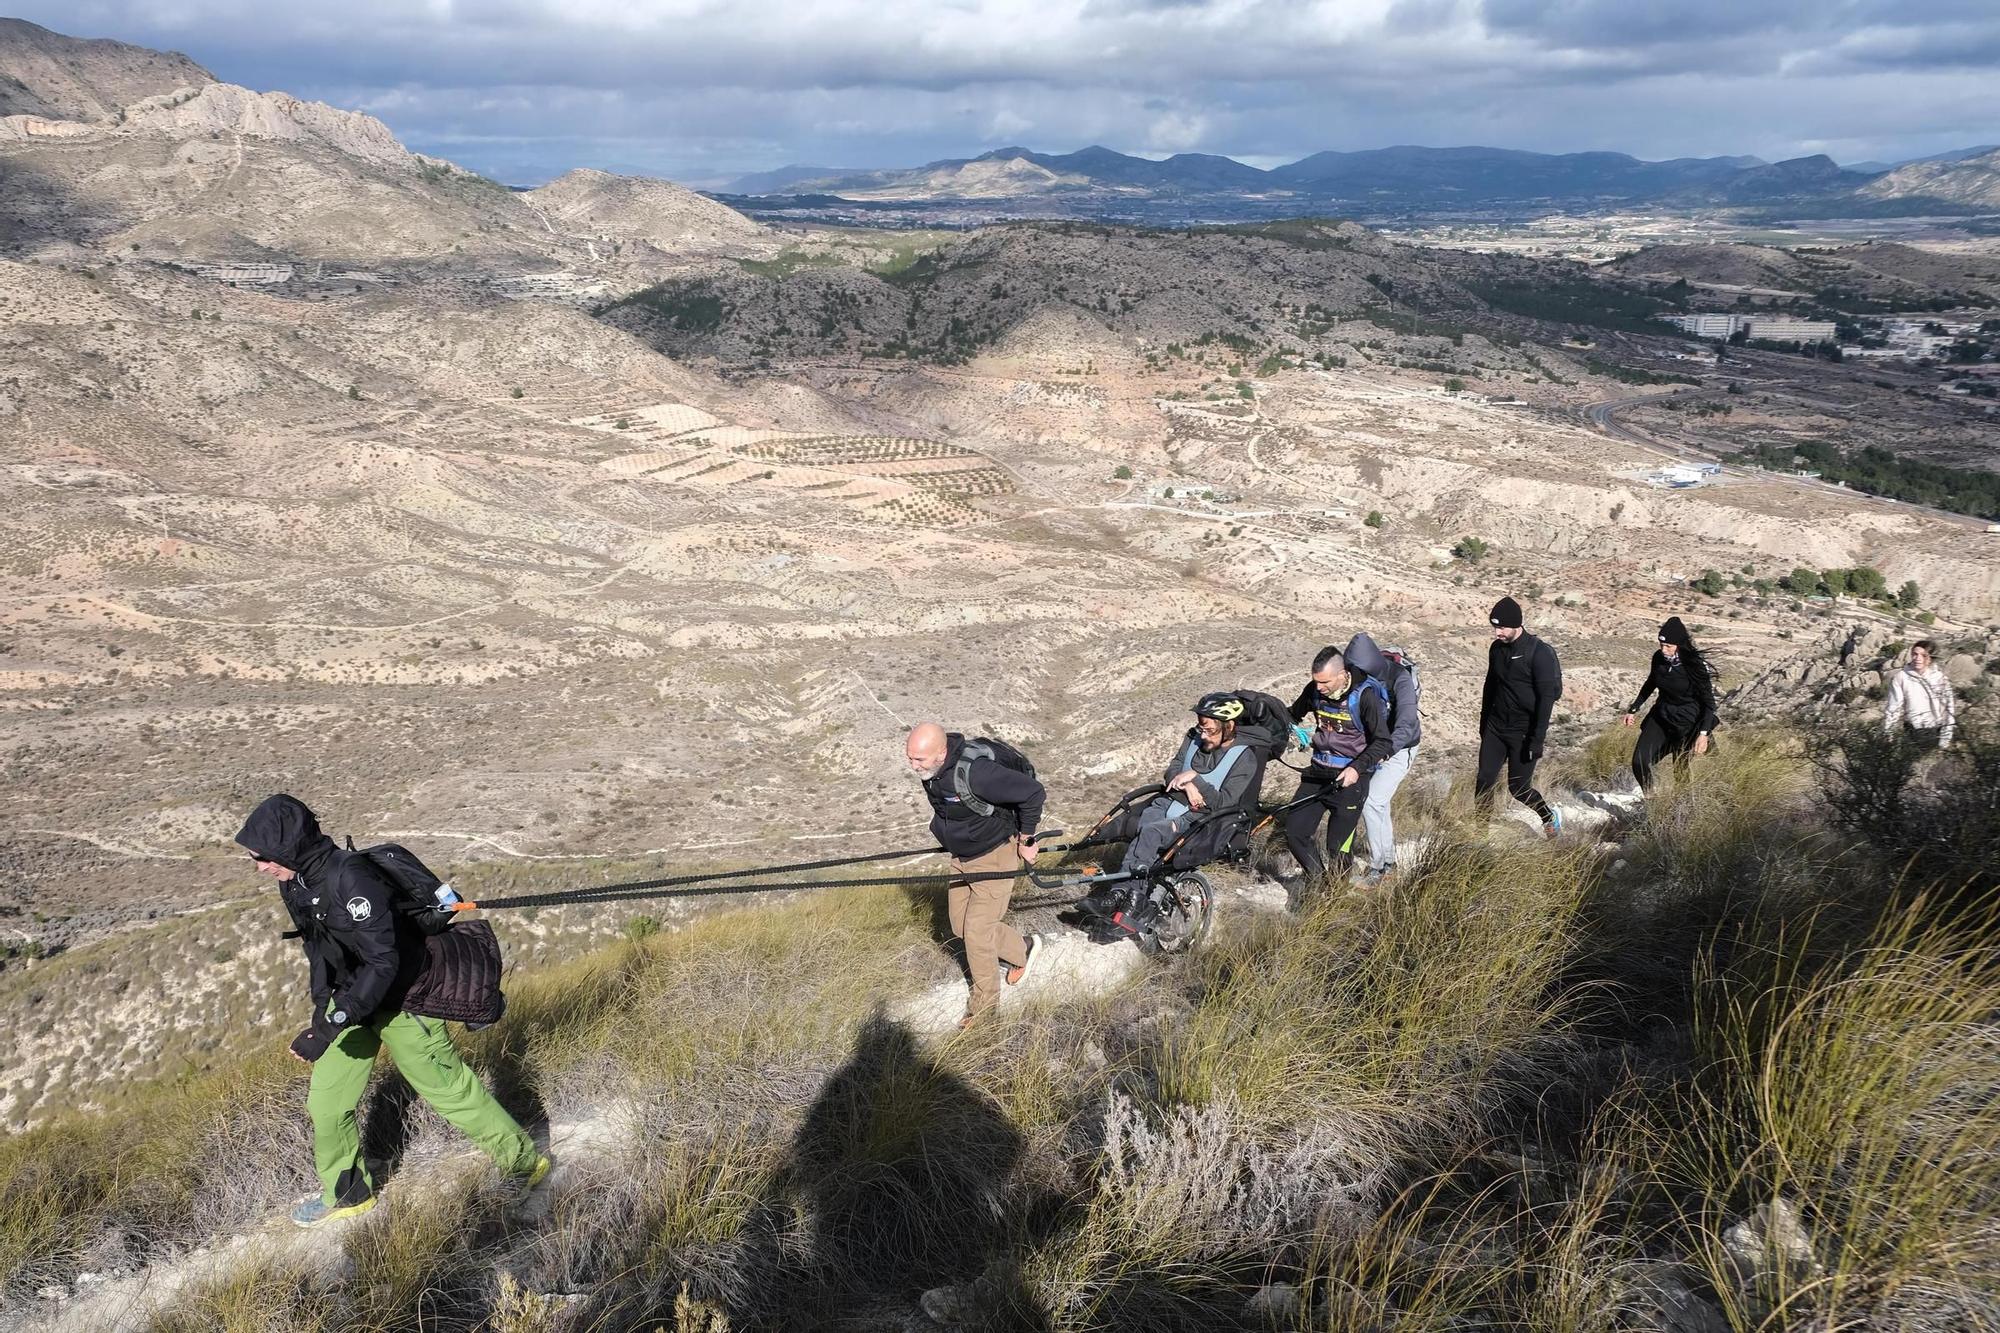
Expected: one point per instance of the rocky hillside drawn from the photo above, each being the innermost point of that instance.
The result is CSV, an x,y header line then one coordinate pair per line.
x,y
45,73
1724,1064
1247,286
1881,271
113,147
1973,181
669,217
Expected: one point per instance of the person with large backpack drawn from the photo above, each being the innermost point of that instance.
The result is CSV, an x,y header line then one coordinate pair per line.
x,y
1523,682
369,966
986,804
1349,736
1395,676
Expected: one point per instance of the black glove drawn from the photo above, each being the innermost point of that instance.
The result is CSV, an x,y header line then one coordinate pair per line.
x,y
311,1044
1531,751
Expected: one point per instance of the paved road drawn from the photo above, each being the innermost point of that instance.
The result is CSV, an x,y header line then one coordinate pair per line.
x,y
1604,416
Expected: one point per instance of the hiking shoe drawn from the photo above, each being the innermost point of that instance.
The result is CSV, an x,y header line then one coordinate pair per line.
x,y
1553,825
1017,975
1141,916
313,1212
1101,901
540,1172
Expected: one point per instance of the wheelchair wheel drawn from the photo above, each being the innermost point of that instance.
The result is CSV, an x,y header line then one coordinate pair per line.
x,y
1185,913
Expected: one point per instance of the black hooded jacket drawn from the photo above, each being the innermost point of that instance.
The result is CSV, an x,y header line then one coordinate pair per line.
x,y
1016,797
1686,689
360,955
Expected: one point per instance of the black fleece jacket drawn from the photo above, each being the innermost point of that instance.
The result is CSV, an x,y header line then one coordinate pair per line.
x,y
358,954
1016,798
1523,682
1687,694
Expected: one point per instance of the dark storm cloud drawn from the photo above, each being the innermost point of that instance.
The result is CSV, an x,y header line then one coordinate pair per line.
x,y
528,88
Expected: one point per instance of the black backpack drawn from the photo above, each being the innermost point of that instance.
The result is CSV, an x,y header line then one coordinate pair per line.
x,y
1266,724
414,883
983,747
460,977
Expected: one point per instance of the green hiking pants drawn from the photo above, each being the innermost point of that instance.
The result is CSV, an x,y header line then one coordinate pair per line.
x,y
426,1058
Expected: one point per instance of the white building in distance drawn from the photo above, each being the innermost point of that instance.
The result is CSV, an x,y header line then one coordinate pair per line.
x,y
1706,326
1785,329
1762,328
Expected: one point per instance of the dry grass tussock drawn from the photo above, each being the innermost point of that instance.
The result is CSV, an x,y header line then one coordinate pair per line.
x,y
1739,1075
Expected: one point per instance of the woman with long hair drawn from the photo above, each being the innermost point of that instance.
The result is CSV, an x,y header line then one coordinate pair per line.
x,y
1684,714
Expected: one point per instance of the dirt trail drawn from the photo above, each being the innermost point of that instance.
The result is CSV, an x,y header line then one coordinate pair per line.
x,y
129,1304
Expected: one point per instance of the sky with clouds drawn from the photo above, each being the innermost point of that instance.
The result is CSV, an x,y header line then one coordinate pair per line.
x,y
701,90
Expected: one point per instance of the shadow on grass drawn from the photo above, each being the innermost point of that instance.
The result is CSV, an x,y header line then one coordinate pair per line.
x,y
895,1183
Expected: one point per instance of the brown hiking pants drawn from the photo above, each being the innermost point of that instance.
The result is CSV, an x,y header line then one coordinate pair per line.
x,y
976,911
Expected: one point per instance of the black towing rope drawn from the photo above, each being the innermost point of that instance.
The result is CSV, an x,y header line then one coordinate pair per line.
x,y
696,886
732,881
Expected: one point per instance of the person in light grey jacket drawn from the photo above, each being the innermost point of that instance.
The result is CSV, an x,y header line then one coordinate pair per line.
x,y
1920,702
1406,730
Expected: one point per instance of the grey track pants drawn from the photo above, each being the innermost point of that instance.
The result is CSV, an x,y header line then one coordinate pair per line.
x,y
1382,784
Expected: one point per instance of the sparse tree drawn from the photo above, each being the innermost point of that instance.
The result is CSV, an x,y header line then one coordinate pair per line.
x,y
1471,550
1835,581
1374,519
1801,582
1906,596
1866,581
1710,583
354,392
1121,473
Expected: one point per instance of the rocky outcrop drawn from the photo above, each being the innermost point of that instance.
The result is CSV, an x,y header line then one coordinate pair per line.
x,y
228,109
1974,181
44,73
669,217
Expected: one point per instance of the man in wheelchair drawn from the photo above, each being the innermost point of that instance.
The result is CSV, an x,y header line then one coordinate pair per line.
x,y
1213,775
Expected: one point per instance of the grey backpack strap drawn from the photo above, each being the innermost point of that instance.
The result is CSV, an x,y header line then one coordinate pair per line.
x,y
961,777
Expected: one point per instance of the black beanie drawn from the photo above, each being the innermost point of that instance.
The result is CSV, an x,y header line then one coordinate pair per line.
x,y
1676,633
1506,614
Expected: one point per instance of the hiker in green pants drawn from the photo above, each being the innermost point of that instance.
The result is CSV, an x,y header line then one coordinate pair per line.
x,y
426,1058
367,963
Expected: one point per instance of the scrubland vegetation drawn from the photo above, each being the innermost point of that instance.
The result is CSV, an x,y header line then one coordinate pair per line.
x,y
1739,1072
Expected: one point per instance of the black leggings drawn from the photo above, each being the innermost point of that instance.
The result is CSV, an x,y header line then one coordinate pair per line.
x,y
1342,808
1658,741
1495,752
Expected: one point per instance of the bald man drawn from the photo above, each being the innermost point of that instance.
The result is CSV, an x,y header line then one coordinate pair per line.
x,y
985,806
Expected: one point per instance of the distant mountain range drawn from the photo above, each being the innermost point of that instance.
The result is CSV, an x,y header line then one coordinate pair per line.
x,y
1417,178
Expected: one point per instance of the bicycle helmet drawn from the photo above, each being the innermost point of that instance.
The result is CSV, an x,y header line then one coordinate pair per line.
x,y
1222,707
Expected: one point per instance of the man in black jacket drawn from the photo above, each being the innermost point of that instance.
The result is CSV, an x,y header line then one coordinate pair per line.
x,y
986,804
362,959
1684,715
1523,682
